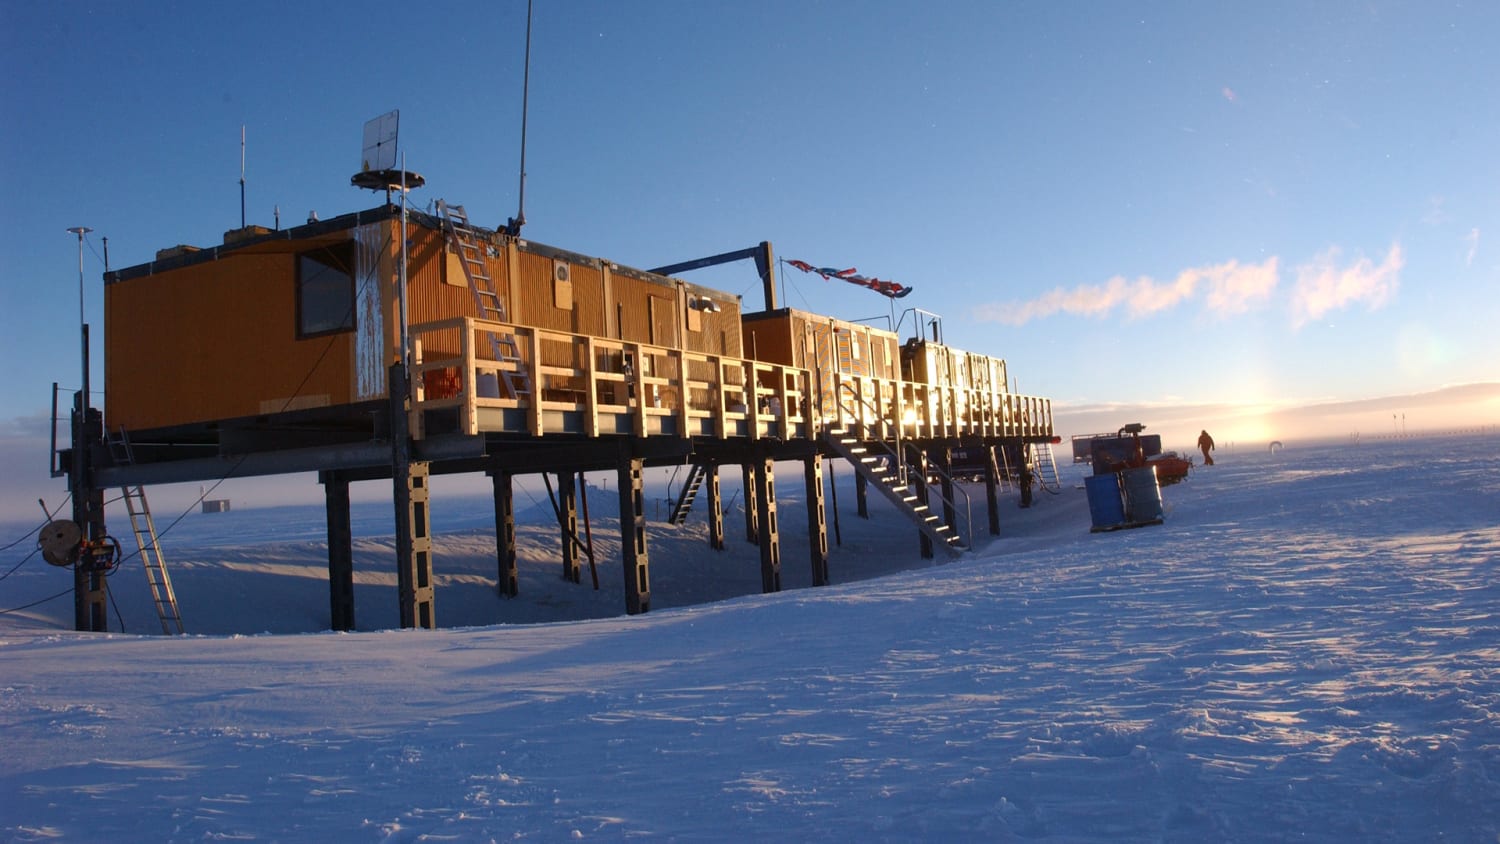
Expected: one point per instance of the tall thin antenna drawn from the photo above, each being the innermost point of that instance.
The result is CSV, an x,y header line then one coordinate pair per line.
x,y
242,175
514,227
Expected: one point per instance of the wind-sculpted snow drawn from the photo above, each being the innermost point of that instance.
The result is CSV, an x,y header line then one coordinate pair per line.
x,y
1308,648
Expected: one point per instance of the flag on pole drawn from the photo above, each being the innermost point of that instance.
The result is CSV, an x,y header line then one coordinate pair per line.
x,y
851,275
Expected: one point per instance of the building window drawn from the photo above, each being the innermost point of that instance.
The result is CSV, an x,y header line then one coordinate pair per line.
x,y
325,290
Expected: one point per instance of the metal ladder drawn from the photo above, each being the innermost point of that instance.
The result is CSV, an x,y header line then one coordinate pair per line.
x,y
684,504
146,541
489,304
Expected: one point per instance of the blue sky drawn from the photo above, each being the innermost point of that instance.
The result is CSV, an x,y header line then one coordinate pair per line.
x,y
1170,205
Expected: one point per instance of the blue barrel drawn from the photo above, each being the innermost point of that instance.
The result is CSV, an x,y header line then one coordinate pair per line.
x,y
1105,505
1142,495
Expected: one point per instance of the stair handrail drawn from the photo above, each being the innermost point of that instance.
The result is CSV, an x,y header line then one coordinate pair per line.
x,y
968,502
843,386
673,479
896,452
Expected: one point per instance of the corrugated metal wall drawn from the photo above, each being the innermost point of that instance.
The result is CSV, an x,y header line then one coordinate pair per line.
x,y
769,339
373,350
216,340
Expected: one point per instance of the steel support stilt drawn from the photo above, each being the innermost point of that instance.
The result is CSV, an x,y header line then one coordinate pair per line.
x,y
340,551
567,514
817,523
770,543
861,497
752,513
409,489
633,535
715,509
991,491
507,576
414,546
90,589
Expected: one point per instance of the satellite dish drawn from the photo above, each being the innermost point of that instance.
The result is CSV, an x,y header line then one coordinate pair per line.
x,y
59,542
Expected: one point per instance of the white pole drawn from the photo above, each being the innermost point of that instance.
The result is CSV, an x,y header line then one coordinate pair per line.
x,y
82,323
401,280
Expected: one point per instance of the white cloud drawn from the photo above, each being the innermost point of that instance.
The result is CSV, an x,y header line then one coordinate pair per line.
x,y
1323,286
1231,288
1472,238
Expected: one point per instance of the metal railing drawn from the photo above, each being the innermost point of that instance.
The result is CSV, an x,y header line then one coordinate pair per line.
x,y
852,404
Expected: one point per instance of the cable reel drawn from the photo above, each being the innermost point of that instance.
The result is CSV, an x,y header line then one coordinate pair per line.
x,y
60,542
63,545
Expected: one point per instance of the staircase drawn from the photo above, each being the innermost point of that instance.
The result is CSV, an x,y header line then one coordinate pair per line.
x,y
465,243
684,505
884,470
146,541
1046,467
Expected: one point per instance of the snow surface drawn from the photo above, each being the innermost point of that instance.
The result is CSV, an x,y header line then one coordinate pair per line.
x,y
1307,649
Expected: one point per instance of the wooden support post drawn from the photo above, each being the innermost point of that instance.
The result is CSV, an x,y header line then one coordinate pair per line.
x,y
340,551
817,523
918,469
413,521
715,509
752,513
567,515
508,576
633,535
90,589
861,496
765,506
991,493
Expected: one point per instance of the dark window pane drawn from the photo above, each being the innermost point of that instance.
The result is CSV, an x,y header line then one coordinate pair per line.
x,y
325,291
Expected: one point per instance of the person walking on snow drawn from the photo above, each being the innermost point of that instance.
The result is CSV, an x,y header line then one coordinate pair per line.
x,y
1206,444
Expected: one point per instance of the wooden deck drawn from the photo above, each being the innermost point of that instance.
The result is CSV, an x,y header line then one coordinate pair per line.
x,y
613,387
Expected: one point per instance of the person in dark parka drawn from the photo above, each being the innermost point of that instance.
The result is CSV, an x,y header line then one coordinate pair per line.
x,y
1206,444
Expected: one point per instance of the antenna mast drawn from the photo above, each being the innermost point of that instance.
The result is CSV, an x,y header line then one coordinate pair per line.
x,y
515,224
242,175
82,323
